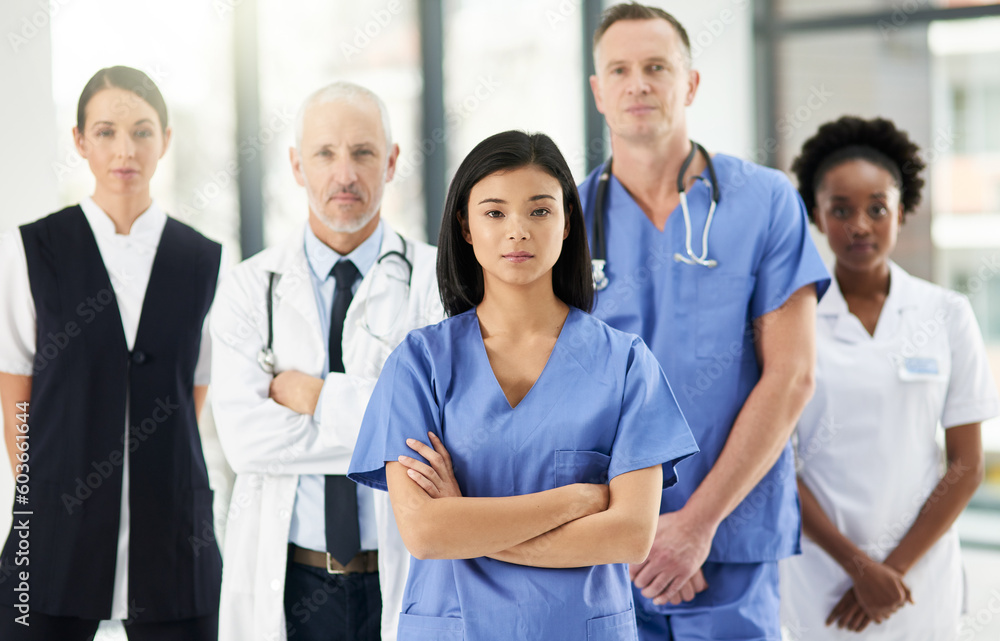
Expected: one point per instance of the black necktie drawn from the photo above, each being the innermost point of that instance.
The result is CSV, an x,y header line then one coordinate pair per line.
x,y
343,536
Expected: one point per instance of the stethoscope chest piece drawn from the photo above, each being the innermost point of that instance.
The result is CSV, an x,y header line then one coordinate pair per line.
x,y
600,278
265,358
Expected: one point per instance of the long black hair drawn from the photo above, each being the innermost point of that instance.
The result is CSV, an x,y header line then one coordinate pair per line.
x,y
460,277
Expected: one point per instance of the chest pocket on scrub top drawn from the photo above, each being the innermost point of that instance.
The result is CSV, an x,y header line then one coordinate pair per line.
x,y
722,315
581,466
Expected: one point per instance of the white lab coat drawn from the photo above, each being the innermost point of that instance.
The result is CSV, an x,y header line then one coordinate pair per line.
x,y
866,448
268,445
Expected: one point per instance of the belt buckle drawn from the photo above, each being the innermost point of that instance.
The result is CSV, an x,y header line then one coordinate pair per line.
x,y
329,567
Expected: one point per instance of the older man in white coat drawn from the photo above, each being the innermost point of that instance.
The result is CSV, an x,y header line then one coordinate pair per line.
x,y
302,332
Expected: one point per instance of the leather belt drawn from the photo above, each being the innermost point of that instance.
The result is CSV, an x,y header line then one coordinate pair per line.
x,y
365,561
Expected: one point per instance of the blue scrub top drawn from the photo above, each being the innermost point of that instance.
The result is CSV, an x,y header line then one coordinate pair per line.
x,y
698,322
601,407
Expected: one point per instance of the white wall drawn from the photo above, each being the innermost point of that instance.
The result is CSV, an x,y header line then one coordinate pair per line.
x,y
27,114
27,123
721,33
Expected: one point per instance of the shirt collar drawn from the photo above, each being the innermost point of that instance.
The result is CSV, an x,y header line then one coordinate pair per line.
x,y
322,257
146,229
899,298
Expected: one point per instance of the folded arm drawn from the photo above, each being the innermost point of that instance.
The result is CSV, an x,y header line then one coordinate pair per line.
x,y
619,534
259,434
456,527
623,533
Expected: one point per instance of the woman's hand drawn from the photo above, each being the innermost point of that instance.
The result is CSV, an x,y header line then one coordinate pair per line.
x,y
438,478
880,590
848,613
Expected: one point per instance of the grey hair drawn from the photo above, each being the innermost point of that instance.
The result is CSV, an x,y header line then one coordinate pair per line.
x,y
347,92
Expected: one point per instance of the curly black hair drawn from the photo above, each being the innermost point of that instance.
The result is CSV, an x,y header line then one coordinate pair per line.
x,y
850,138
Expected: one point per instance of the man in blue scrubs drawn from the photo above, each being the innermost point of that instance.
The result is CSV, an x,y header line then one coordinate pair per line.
x,y
730,316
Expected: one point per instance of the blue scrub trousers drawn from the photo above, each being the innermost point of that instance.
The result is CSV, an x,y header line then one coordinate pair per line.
x,y
740,604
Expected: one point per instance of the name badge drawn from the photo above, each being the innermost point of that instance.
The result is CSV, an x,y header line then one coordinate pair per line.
x,y
919,369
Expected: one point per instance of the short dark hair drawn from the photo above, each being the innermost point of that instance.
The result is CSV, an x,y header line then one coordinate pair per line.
x,y
851,138
125,78
636,11
460,276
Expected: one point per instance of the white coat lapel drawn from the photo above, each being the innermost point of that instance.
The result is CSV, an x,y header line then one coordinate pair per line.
x,y
298,338
376,303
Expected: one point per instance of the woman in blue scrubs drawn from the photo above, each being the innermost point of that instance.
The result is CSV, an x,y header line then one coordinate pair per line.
x,y
560,431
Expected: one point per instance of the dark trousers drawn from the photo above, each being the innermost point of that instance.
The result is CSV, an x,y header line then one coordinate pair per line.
x,y
331,607
50,628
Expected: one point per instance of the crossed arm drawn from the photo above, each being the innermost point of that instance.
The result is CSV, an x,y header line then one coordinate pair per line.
x,y
571,526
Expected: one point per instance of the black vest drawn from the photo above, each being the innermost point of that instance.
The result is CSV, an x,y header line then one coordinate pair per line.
x,y
84,378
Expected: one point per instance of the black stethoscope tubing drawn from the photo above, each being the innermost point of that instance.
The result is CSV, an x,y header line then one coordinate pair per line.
x,y
266,355
600,248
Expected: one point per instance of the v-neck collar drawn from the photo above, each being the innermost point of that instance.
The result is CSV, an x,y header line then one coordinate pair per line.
x,y
677,211
481,346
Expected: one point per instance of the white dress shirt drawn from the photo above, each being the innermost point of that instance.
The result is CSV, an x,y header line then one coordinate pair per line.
x,y
308,528
128,259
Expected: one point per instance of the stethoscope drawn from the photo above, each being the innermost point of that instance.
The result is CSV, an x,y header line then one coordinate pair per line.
x,y
265,357
600,248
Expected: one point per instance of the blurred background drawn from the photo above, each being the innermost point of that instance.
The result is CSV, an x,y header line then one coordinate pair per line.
x,y
452,72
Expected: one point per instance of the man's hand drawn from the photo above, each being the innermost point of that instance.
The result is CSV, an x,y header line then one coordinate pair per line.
x,y
297,391
679,550
690,589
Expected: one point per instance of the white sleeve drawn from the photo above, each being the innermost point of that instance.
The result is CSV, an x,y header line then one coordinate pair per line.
x,y
17,316
203,370
972,393
257,434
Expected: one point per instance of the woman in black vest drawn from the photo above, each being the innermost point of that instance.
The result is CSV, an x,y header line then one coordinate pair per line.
x,y
103,371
